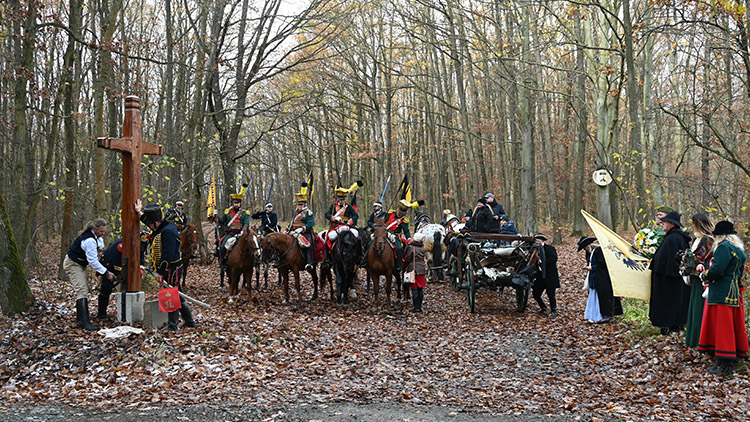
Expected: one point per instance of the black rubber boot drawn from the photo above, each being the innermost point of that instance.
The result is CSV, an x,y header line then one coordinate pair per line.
x,y
722,366
414,299
82,315
186,314
173,319
419,299
103,302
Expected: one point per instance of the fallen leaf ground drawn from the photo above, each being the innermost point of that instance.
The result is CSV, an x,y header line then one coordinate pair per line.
x,y
270,355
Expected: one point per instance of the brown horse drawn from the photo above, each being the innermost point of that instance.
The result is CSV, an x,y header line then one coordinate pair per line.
x,y
189,247
284,249
241,262
381,260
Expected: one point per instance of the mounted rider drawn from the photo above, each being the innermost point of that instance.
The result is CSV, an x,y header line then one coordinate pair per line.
x,y
397,224
235,219
177,216
269,221
377,212
341,215
302,225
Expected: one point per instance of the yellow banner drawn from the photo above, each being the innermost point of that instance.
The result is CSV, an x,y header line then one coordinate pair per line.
x,y
629,271
211,200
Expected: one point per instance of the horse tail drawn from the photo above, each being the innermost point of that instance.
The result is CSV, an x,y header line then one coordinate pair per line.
x,y
437,249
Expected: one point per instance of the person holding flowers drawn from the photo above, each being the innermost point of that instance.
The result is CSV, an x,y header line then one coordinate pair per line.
x,y
700,254
723,333
669,295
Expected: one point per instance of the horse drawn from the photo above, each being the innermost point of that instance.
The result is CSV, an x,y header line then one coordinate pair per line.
x,y
433,244
284,248
381,260
241,262
189,248
345,255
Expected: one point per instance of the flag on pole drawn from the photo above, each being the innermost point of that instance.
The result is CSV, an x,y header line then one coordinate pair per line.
x,y
310,188
405,188
628,270
211,200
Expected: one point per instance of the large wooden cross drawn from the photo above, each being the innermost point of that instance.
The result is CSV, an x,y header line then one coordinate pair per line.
x,y
132,147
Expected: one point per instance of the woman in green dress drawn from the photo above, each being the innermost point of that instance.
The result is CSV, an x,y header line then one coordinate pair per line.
x,y
701,249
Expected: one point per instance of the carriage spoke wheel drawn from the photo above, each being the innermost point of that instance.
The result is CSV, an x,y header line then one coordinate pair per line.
x,y
454,273
471,291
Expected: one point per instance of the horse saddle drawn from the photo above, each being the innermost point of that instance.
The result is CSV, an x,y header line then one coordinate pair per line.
x,y
334,234
231,241
301,240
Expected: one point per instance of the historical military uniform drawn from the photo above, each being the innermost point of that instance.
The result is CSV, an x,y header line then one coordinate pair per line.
x,y
177,216
166,259
341,213
397,224
377,213
268,219
302,225
235,219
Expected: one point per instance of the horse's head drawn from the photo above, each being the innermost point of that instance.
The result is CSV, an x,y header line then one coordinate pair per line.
x,y
249,242
190,240
379,236
268,248
348,248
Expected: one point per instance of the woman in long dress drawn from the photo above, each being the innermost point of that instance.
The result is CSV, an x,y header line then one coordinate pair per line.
x,y
701,249
602,305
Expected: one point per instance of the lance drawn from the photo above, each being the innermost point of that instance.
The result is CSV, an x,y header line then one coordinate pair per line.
x,y
273,178
385,189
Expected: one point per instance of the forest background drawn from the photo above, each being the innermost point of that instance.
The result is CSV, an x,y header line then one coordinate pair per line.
x,y
521,98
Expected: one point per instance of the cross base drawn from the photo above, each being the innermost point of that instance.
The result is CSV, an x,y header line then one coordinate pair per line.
x,y
133,307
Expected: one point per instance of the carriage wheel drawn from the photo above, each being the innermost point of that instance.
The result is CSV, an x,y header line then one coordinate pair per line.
x,y
454,273
522,298
471,291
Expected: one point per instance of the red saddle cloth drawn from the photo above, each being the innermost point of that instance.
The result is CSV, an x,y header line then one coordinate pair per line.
x,y
319,250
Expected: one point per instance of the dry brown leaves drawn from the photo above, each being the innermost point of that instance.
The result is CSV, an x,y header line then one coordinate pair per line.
x,y
267,354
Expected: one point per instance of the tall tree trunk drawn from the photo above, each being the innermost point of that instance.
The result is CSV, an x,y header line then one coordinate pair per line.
x,y
636,150
15,294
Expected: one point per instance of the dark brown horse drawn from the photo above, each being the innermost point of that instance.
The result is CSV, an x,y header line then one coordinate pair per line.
x,y
284,249
189,248
381,260
241,262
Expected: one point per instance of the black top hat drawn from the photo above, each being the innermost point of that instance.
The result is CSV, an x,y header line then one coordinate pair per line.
x,y
585,241
540,236
151,214
723,227
673,217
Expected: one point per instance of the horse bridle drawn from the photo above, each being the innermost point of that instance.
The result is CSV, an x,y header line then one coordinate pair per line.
x,y
276,248
379,242
252,249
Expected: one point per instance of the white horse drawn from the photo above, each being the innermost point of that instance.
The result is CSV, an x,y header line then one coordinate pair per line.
x,y
433,244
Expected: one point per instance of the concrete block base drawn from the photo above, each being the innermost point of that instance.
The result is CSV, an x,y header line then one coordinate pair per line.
x,y
153,317
133,306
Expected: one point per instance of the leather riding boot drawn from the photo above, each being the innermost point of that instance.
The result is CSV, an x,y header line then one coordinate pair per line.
x,y
187,315
308,258
173,319
82,315
103,302
420,298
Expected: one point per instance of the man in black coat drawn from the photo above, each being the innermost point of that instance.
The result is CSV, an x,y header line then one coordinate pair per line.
x,y
166,258
670,296
547,279
268,219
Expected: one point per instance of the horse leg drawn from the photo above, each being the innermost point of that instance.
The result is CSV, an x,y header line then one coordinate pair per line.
x,y
296,285
249,276
265,275
367,285
285,281
388,283
314,275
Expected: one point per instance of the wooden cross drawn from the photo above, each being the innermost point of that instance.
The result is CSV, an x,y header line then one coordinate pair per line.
x,y
132,147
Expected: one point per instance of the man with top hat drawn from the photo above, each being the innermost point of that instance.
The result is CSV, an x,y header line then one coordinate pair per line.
x,y
302,225
165,257
268,219
177,215
235,219
547,278
397,223
670,296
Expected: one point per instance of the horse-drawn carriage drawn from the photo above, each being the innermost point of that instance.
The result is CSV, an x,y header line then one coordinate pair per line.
x,y
494,261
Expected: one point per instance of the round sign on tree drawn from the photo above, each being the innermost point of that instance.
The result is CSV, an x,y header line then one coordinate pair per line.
x,y
602,177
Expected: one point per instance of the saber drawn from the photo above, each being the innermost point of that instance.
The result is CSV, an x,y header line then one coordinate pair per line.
x,y
182,295
385,189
